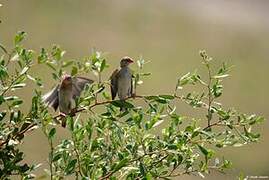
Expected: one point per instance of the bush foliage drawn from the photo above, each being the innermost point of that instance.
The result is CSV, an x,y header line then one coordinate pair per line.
x,y
150,140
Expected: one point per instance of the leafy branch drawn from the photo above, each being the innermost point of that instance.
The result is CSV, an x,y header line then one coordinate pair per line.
x,y
149,140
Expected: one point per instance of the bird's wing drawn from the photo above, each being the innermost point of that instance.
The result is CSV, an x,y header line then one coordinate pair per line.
x,y
132,83
132,88
51,98
78,84
114,84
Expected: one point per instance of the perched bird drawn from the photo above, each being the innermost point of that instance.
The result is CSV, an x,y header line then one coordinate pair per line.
x,y
121,80
62,95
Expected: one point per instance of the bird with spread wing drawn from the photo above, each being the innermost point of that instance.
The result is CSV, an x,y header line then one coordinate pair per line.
x,y
64,93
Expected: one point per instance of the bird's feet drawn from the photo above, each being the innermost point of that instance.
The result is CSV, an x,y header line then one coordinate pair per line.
x,y
62,114
133,95
73,112
62,119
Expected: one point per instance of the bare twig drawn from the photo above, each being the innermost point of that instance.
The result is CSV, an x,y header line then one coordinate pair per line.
x,y
51,158
210,97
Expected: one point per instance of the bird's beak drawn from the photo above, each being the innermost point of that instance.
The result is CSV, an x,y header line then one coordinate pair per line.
x,y
130,61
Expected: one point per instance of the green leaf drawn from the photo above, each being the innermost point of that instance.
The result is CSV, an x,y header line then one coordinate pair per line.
x,y
74,71
57,53
119,103
159,122
256,120
221,76
148,176
162,100
189,78
145,74
226,164
242,176
152,97
217,89
36,80
16,103
170,97
177,120
103,65
51,65
19,37
70,122
2,115
55,76
57,157
121,164
18,86
2,99
3,72
42,57
203,150
66,64
24,70
70,167
52,133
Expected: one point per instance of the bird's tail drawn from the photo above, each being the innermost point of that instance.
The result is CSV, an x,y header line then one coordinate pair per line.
x,y
64,122
122,108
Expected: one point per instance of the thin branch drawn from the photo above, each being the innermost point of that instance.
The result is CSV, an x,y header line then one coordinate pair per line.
x,y
12,83
218,123
3,48
77,155
80,110
211,125
178,174
210,98
97,104
51,158
20,133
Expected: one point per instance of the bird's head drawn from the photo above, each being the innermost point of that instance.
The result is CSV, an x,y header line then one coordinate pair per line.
x,y
66,80
125,61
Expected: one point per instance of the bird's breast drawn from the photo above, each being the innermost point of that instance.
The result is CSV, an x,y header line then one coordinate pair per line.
x,y
65,98
124,84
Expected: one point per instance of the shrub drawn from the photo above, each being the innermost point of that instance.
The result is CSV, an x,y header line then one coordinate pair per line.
x,y
147,141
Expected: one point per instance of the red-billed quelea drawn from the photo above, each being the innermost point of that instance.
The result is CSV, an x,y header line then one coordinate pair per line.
x,y
121,81
64,93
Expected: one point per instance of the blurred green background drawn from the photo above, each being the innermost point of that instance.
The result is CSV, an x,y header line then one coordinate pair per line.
x,y
170,34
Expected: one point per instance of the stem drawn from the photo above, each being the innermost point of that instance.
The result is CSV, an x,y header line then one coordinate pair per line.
x,y
50,159
88,108
18,134
218,123
211,125
210,98
3,49
99,83
77,155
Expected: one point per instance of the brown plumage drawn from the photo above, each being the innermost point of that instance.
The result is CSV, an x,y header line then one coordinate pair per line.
x,y
121,80
62,95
